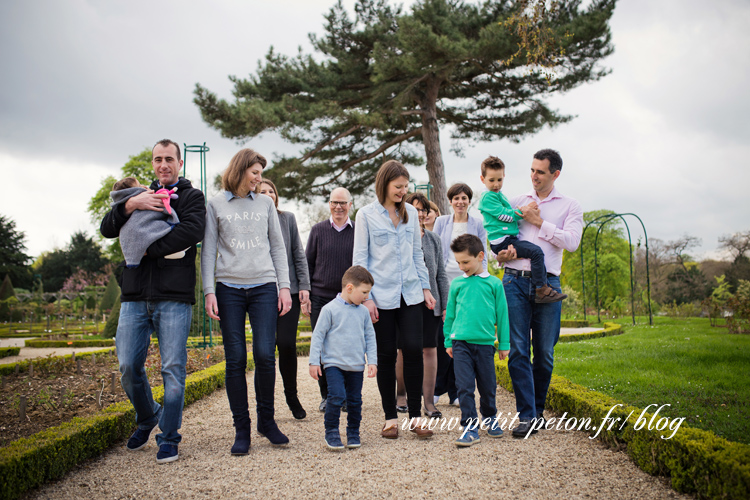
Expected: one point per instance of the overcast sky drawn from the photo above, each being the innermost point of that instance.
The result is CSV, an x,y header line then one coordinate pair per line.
x,y
85,84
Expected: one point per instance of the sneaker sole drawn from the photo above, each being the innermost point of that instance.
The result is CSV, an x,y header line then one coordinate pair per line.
x,y
461,444
335,448
495,435
167,460
353,446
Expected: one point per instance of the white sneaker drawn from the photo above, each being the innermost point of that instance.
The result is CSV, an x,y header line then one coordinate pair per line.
x,y
455,402
435,399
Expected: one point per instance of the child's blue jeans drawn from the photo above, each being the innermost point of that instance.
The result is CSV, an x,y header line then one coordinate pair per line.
x,y
475,362
344,385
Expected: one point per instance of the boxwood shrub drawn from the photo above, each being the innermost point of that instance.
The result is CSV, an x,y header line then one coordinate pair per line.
x,y
39,363
28,462
609,330
697,461
70,343
9,351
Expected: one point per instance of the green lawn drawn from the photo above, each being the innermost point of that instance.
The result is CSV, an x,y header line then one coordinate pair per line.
x,y
702,371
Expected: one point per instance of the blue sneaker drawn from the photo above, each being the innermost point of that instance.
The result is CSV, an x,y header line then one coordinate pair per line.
x,y
139,439
353,442
167,453
333,441
495,431
468,438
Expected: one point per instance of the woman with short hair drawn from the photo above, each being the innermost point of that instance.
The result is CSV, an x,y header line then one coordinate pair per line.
x,y
448,228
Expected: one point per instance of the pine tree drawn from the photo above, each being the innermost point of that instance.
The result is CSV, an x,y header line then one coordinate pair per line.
x,y
384,83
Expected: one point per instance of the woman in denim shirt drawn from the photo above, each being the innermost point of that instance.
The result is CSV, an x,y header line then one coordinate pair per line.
x,y
388,243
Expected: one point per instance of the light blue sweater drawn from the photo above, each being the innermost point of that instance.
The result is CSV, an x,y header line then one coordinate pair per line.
x,y
342,337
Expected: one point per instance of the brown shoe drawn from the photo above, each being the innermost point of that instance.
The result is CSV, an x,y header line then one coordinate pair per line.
x,y
421,432
390,432
547,294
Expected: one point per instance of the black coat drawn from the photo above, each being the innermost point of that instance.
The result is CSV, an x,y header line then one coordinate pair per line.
x,y
157,278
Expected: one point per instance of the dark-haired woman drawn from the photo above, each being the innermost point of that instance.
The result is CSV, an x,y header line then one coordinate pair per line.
x,y
243,251
299,282
388,243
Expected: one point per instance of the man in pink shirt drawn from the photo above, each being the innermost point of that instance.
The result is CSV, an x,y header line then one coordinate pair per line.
x,y
554,222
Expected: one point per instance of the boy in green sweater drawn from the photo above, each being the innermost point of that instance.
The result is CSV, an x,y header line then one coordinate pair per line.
x,y
476,303
501,223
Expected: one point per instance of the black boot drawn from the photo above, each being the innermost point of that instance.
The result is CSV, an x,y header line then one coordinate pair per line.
x,y
296,407
241,444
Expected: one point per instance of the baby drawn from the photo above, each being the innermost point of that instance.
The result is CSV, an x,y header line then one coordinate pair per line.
x,y
144,226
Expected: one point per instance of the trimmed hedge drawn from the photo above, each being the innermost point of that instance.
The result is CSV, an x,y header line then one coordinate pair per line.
x,y
609,330
9,351
574,323
26,463
70,343
698,462
303,348
6,335
23,366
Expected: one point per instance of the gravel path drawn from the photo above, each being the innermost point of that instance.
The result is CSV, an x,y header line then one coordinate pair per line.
x,y
551,464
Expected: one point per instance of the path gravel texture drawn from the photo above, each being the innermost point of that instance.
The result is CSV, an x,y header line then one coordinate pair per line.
x,y
549,465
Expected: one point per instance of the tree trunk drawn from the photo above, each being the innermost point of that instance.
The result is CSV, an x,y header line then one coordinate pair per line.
x,y
431,141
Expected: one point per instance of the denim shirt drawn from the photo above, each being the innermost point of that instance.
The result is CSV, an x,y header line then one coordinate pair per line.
x,y
393,256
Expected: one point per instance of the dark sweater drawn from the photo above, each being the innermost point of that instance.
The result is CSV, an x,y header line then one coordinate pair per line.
x,y
329,255
157,278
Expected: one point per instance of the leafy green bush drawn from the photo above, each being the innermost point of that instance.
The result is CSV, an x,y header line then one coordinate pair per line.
x,y
110,329
6,352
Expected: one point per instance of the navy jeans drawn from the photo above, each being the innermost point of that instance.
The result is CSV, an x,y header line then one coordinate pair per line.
x,y
344,386
534,326
527,250
171,322
260,304
475,362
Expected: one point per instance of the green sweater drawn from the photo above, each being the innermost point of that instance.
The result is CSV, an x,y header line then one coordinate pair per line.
x,y
499,217
475,305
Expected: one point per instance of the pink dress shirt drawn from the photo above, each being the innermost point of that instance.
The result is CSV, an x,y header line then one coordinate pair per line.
x,y
339,229
561,229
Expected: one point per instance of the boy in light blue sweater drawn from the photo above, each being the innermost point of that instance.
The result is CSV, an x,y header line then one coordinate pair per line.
x,y
343,336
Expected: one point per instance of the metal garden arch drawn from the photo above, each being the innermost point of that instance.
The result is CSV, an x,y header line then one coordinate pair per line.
x,y
608,218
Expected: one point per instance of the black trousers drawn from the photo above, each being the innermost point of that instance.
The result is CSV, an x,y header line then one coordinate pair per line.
x,y
317,303
400,327
286,342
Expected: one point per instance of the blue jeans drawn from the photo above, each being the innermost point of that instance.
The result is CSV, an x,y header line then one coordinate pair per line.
x,y
344,385
475,362
534,326
171,322
260,304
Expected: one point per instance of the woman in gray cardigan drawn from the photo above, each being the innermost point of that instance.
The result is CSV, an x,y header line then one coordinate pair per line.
x,y
299,280
432,321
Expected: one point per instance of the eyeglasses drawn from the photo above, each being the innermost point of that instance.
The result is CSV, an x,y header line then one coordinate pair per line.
x,y
341,204
423,210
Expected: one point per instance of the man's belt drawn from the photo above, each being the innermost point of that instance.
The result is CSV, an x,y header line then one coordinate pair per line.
x,y
524,274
